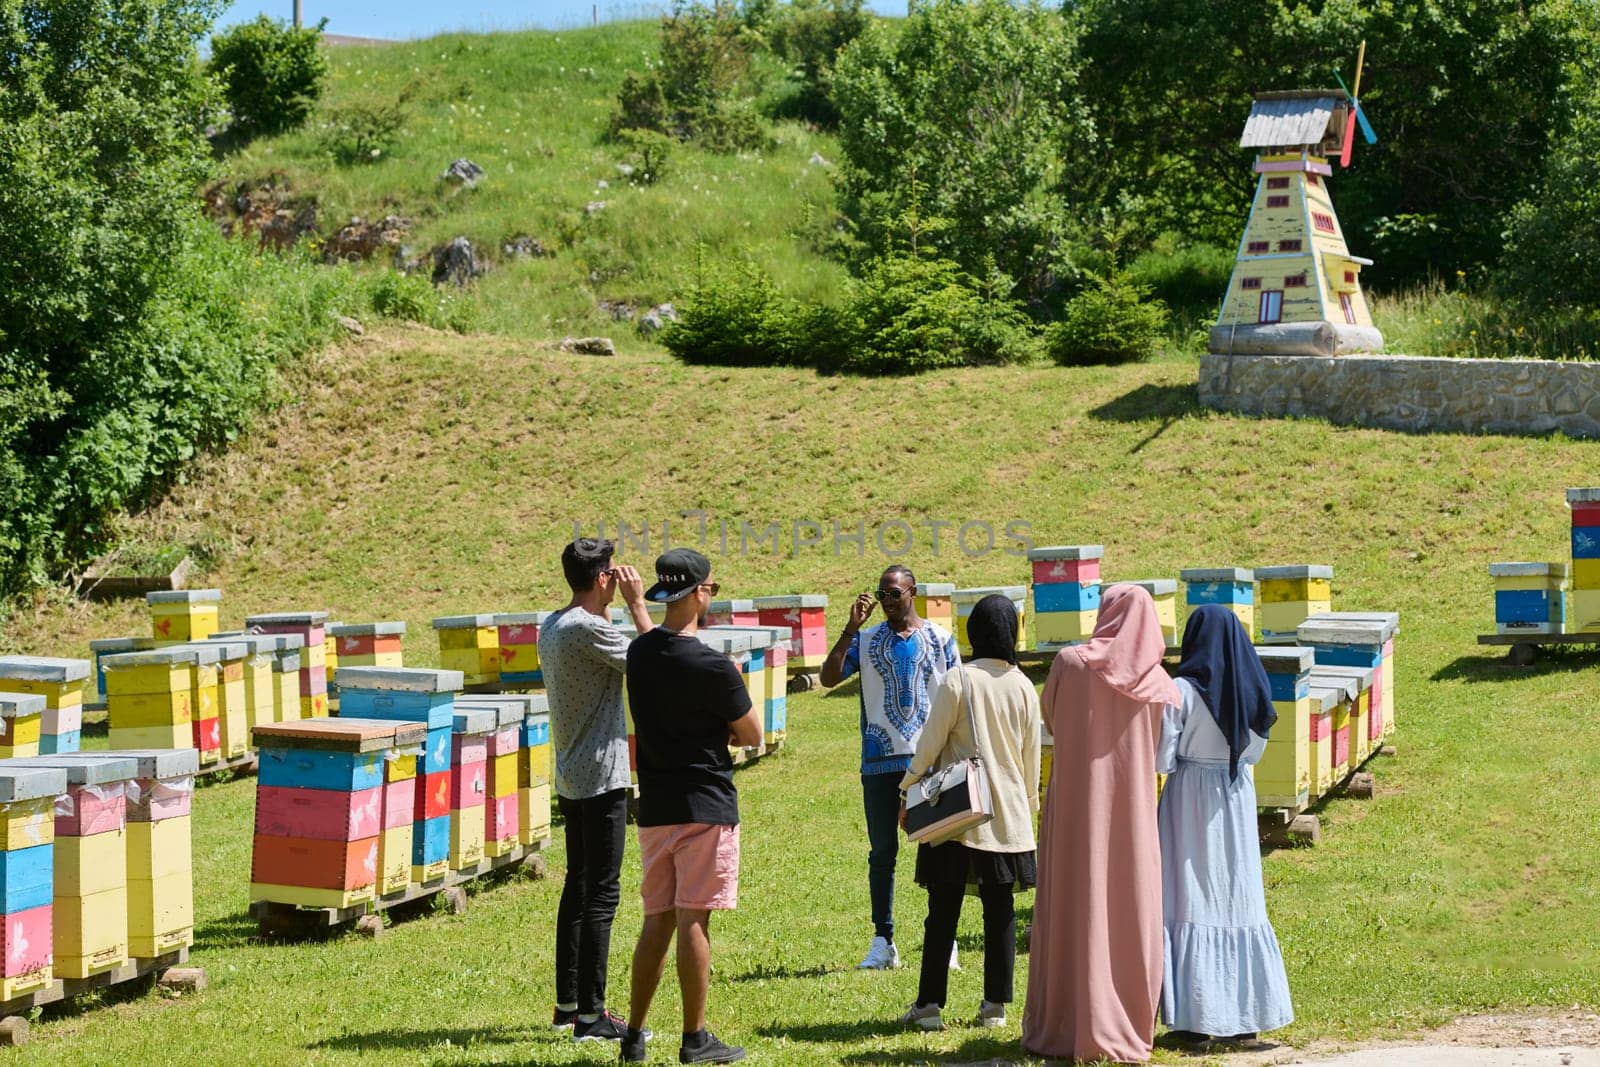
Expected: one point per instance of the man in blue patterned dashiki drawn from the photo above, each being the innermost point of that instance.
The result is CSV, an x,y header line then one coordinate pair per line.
x,y
901,661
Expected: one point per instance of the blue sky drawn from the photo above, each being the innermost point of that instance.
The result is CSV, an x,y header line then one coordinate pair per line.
x,y
421,18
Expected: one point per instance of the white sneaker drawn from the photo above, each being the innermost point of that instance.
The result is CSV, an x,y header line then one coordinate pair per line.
x,y
991,1015
882,955
955,959
923,1017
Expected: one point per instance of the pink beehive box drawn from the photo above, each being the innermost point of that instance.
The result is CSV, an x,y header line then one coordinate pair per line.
x,y
323,814
25,941
469,785
86,810
805,617
1051,571
399,802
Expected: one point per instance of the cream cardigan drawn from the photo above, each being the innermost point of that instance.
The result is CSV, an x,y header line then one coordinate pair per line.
x,y
1006,714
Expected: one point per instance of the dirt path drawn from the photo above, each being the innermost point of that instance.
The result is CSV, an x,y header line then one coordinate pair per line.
x,y
1562,1039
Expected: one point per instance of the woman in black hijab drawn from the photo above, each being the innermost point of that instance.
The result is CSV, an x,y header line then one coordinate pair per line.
x,y
1224,972
988,710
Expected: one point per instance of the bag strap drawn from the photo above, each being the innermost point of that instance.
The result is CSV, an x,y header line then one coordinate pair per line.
x,y
972,719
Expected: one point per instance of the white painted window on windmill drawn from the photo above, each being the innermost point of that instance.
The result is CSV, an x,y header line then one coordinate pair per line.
x,y
1348,307
1271,306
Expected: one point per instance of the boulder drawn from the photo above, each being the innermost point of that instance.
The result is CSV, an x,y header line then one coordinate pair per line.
x,y
619,310
656,319
462,172
351,326
456,263
588,346
359,240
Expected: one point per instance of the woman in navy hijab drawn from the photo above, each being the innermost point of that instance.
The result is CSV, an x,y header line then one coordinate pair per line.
x,y
1224,975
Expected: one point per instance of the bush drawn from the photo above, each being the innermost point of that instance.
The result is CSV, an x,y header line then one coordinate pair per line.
x,y
1552,255
411,298
1189,278
739,319
1110,321
703,87
271,73
362,132
648,155
968,109
808,34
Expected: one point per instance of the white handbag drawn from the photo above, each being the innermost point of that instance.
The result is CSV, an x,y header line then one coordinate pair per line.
x,y
950,800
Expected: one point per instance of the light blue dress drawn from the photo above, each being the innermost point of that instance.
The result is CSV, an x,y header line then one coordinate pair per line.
x,y
1224,972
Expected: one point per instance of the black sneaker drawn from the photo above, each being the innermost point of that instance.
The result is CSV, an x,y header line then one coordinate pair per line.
x,y
607,1027
633,1049
564,1020
710,1051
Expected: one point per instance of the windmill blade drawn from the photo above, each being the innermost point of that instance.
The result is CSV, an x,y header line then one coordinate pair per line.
x,y
1355,109
1349,139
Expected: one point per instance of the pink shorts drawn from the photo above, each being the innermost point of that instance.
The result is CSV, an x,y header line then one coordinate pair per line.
x,y
693,866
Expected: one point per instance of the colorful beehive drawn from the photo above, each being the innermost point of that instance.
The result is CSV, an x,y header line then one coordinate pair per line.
x,y
470,644
534,770
62,683
1288,596
415,694
330,664
747,650
160,798
934,603
805,617
205,700
20,714
770,690
519,647
1232,587
469,783
1529,598
259,680
286,706
732,613
501,810
1164,591
153,697
1585,596
90,898
1331,701
111,646
1360,639
27,876
233,698
319,809
1283,774
1365,709
311,628
368,644
964,600
181,615
1066,593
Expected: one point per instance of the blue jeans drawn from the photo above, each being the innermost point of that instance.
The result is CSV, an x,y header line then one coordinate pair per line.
x,y
881,796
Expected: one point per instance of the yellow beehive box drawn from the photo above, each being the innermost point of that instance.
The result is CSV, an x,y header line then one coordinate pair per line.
x,y
466,837
504,779
1059,627
183,614
169,677
57,695
394,859
23,984
423,873
539,769
258,704
1585,575
21,722
1584,604
90,932
160,849
26,823
286,688
160,913
1047,762
313,707
308,897
86,866
1283,775
469,644
152,709
178,735
534,814
933,602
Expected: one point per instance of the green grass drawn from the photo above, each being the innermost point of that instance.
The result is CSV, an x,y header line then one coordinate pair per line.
x,y
531,108
422,474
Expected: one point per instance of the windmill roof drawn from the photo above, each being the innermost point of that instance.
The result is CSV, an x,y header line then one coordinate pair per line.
x,y
1289,118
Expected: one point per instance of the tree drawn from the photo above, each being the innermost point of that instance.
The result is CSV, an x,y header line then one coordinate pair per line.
x,y
973,109
1466,97
271,73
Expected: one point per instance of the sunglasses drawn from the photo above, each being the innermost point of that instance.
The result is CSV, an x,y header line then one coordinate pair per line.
x,y
888,594
711,587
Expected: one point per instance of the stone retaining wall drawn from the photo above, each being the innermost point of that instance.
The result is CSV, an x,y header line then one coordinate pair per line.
x,y
1411,393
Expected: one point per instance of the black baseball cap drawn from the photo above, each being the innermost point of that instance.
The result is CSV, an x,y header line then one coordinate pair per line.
x,y
679,572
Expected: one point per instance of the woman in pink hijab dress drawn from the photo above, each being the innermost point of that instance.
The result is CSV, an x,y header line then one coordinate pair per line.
x,y
1094,974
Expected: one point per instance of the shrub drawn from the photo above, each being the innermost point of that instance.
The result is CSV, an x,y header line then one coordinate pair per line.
x,y
1552,255
271,73
362,132
411,298
703,86
808,34
1190,278
739,319
648,155
1110,321
969,109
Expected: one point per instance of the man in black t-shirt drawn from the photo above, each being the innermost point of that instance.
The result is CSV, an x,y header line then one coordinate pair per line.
x,y
688,703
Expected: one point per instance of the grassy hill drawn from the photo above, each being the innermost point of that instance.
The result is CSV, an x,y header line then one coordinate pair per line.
x,y
531,109
422,473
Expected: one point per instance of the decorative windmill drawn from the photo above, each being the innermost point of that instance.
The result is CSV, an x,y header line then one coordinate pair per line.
x,y
1296,288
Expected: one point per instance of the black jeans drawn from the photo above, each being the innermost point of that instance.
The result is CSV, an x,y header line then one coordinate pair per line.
x,y
881,796
596,831
939,937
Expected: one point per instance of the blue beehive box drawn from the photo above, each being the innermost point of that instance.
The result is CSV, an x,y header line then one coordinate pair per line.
x,y
27,878
304,768
430,841
1066,596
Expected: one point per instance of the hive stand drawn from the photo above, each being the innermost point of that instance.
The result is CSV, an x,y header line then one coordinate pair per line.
x,y
1522,650
168,969
287,920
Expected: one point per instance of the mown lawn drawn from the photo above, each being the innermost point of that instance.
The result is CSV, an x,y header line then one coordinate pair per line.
x,y
423,474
